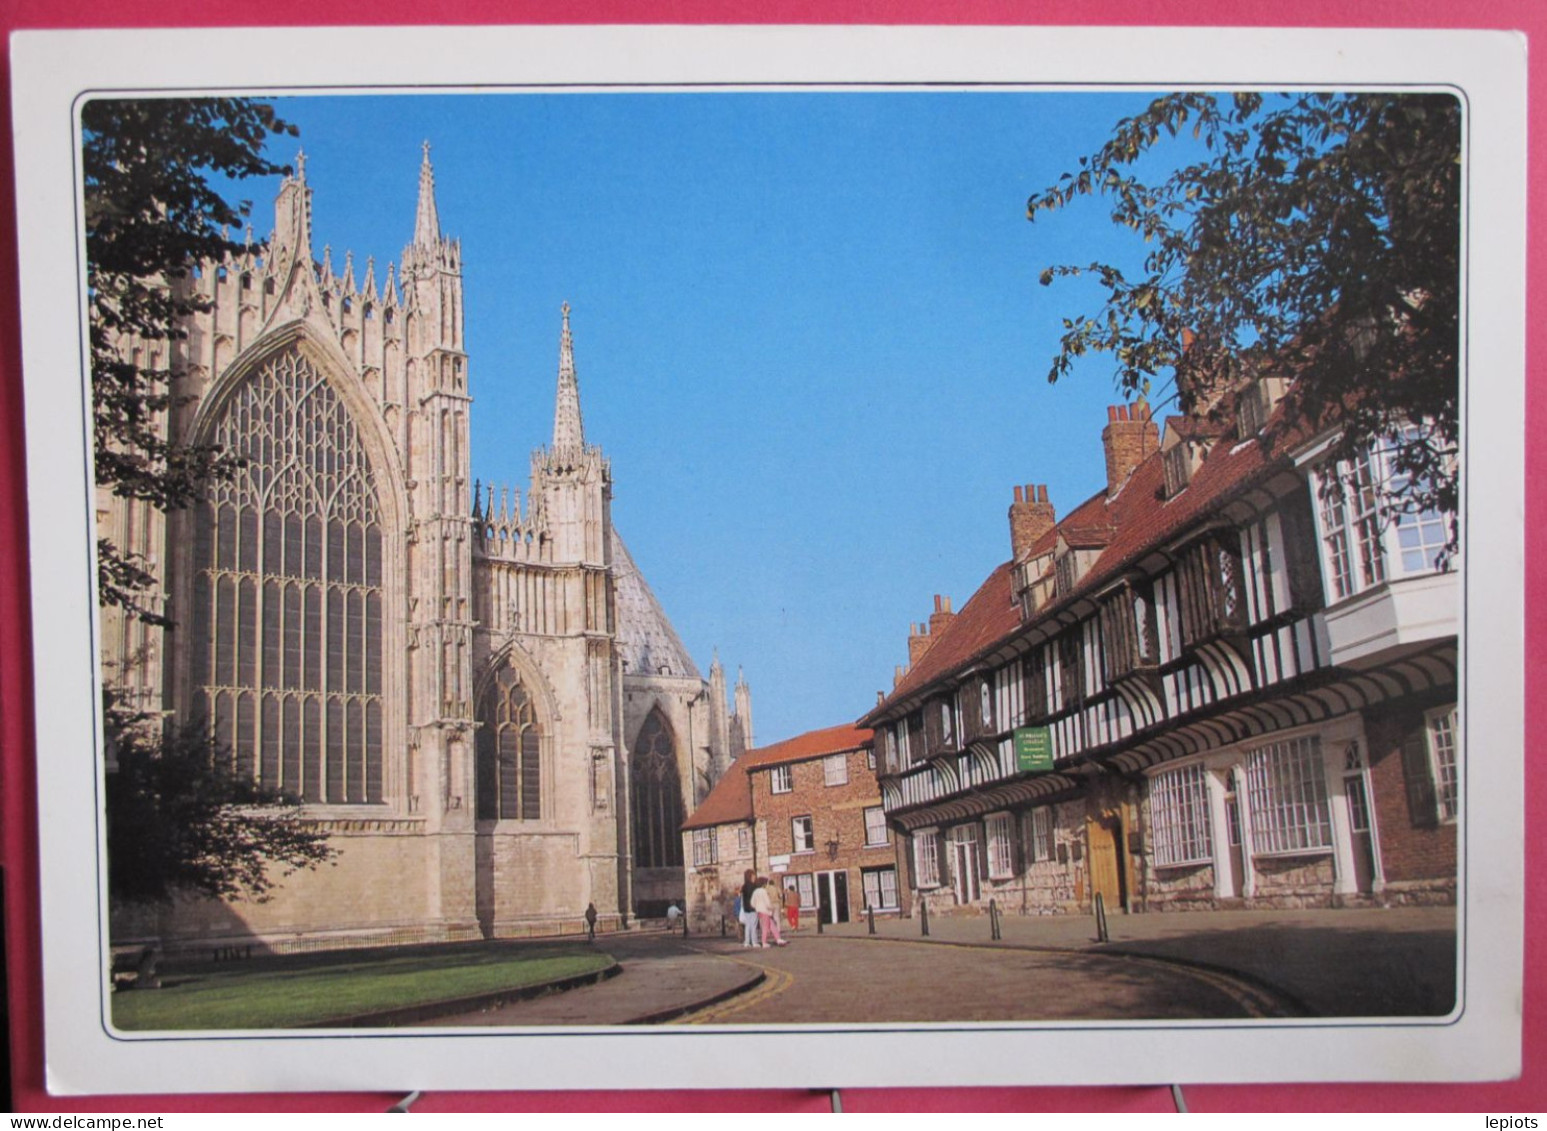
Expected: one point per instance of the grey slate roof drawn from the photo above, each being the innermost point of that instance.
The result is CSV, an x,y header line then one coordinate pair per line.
x,y
646,638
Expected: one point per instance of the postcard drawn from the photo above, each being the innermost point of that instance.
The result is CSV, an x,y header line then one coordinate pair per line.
x,y
841,556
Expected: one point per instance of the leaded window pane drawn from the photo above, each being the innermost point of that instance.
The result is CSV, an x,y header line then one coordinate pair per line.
x,y
656,796
281,519
508,752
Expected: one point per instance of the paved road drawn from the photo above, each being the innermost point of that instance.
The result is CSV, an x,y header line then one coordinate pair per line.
x,y
831,979
834,979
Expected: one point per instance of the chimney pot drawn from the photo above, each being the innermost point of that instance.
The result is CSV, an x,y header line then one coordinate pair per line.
x,y
1128,440
1018,495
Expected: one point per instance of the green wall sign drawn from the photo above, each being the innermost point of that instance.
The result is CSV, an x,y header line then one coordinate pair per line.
x,y
1033,749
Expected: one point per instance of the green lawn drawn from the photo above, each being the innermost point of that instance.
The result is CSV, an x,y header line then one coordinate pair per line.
x,y
284,991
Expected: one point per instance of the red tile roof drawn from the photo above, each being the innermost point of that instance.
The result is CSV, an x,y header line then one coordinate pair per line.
x,y
1127,525
728,802
812,744
731,798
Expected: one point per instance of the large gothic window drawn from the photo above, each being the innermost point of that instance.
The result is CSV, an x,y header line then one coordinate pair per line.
x,y
285,632
657,796
509,752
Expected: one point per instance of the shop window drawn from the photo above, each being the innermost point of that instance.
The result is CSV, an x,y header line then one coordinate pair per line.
x,y
1001,854
1179,817
1287,798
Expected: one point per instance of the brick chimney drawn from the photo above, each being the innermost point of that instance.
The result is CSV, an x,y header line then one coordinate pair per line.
x,y
941,617
919,641
1129,438
1031,516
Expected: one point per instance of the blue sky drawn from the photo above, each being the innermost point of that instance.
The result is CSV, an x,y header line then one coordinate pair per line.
x,y
808,331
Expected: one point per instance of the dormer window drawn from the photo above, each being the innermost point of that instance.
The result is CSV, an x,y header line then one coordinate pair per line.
x,y
1177,466
1068,570
1257,402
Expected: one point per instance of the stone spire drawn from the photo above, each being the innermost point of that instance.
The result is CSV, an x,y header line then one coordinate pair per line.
x,y
293,216
427,219
743,710
568,433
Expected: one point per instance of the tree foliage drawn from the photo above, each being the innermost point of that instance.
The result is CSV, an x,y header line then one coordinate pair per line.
x,y
151,214
180,817
1316,236
181,820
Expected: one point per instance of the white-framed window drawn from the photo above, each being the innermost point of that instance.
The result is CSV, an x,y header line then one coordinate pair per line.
x,y
805,884
1039,841
743,841
706,847
985,707
1179,817
1361,546
926,858
875,825
835,769
800,834
870,758
880,885
780,780
1286,787
1441,728
1001,856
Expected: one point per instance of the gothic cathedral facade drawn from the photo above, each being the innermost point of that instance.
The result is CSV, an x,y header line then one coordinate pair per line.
x,y
479,698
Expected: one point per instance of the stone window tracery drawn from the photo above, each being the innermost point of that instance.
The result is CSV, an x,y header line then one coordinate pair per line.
x,y
657,796
508,751
286,622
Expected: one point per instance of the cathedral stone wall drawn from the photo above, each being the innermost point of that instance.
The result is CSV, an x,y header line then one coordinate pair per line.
x,y
438,672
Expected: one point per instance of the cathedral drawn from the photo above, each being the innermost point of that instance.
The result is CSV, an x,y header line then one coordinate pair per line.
x,y
475,693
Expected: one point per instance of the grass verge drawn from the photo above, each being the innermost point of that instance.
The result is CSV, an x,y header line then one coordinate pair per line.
x,y
286,991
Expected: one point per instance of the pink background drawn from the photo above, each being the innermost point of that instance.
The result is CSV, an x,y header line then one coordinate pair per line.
x,y
18,813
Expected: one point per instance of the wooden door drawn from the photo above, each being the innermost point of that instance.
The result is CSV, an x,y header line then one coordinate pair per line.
x,y
1106,875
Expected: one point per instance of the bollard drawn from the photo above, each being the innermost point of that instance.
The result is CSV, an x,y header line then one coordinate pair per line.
x,y
1101,919
819,920
870,916
924,916
722,926
993,920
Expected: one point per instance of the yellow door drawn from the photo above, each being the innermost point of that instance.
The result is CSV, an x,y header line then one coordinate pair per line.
x,y
1105,870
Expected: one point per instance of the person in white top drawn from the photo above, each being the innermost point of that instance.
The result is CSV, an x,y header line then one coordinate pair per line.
x,y
762,903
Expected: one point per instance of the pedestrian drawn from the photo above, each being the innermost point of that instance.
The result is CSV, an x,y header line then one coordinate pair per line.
x,y
748,915
673,913
590,922
762,903
791,897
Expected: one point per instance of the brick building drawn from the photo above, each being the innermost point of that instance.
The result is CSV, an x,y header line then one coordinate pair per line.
x,y
807,812
1213,683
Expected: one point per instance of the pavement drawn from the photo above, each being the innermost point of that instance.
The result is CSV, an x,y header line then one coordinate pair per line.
x,y
1360,962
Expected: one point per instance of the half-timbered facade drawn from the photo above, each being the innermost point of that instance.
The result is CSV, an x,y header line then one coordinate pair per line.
x,y
1214,683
